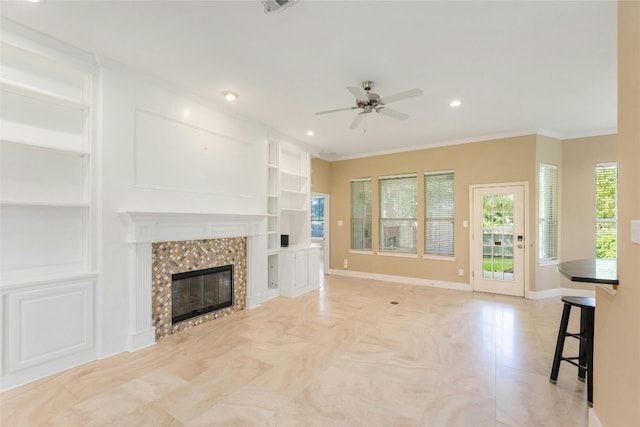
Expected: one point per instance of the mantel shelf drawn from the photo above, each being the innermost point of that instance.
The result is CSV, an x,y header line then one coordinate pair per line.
x,y
147,227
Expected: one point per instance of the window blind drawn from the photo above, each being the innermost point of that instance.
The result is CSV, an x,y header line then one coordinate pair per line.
x,y
606,210
398,222
361,214
548,212
439,214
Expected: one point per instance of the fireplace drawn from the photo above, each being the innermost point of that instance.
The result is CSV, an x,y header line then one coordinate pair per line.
x,y
166,243
194,293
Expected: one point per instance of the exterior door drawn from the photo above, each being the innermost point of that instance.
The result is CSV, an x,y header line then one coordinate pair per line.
x,y
320,228
498,240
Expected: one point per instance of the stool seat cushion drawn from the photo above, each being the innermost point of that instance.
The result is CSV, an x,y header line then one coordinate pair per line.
x,y
582,302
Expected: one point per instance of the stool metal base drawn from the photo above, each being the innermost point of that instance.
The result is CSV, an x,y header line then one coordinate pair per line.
x,y
584,360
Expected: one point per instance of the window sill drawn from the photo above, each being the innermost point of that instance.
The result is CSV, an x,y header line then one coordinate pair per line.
x,y
439,257
548,262
398,254
355,251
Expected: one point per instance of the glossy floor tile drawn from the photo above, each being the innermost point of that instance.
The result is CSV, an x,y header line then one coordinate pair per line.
x,y
340,356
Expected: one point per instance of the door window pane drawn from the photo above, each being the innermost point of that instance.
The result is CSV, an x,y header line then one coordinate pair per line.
x,y
497,237
317,217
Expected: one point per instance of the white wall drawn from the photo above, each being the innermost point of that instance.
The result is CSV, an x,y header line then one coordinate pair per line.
x,y
140,116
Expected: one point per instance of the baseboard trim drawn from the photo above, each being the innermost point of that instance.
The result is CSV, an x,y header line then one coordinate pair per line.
x,y
402,279
549,293
139,340
559,292
594,421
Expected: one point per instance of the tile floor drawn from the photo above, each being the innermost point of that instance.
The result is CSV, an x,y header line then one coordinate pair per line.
x,y
340,356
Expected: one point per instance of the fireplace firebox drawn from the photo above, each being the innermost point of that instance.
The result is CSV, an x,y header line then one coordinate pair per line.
x,y
194,293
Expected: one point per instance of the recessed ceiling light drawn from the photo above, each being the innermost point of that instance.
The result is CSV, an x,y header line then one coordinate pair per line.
x,y
186,113
310,133
230,95
34,1
455,103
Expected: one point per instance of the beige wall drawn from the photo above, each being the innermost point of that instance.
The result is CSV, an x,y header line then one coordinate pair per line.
x,y
320,176
496,161
617,335
578,232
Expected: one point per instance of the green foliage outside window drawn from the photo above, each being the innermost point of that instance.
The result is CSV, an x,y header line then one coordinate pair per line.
x,y
606,211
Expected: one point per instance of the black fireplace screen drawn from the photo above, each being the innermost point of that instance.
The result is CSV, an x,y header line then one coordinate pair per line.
x,y
194,293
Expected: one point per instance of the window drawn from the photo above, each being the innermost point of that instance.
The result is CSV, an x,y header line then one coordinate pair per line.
x,y
606,210
317,217
438,214
398,222
548,212
361,214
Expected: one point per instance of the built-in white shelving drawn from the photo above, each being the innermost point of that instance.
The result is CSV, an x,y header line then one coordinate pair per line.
x,y
46,181
41,95
48,277
288,211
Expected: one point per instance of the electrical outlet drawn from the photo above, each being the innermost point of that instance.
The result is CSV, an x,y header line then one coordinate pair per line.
x,y
461,272
345,263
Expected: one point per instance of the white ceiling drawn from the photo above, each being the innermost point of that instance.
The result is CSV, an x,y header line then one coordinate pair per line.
x,y
518,67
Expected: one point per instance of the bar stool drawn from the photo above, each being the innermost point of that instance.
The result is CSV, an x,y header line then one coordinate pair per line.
x,y
584,360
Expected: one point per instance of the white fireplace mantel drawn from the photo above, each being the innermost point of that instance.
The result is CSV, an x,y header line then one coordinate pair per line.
x,y
149,227
145,228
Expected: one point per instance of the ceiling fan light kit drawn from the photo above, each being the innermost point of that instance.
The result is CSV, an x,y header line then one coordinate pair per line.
x,y
369,101
274,6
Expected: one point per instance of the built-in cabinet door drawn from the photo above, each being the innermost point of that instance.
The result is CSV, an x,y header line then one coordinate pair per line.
x,y
302,269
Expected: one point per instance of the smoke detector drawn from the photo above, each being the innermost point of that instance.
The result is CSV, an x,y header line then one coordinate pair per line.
x,y
274,6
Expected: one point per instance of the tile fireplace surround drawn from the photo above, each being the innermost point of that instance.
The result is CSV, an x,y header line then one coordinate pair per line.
x,y
148,228
169,258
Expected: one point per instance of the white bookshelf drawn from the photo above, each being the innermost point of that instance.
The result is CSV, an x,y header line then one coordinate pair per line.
x,y
45,172
47,209
288,212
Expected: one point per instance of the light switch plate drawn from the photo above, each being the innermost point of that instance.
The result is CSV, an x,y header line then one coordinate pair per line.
x,y
635,231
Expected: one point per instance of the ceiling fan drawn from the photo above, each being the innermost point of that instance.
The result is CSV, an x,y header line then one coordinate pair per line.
x,y
369,101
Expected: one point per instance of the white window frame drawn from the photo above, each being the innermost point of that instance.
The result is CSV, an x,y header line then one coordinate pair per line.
x,y
370,217
439,255
548,224
407,226
606,220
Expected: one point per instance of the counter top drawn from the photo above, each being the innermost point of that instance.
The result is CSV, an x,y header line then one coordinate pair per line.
x,y
602,271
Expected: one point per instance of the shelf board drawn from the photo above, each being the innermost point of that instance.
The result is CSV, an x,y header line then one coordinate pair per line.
x,y
293,211
42,95
296,192
292,174
272,166
44,203
272,195
44,147
272,232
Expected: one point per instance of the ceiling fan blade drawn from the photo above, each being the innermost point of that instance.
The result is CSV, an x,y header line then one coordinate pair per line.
x,y
357,120
393,113
336,110
402,95
358,93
